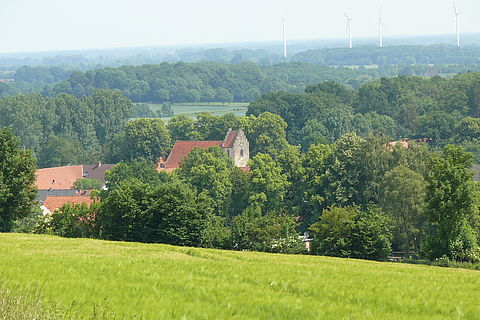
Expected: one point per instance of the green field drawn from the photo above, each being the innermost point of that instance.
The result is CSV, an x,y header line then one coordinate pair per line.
x,y
166,282
216,108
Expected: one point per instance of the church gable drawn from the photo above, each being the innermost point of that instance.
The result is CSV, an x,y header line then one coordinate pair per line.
x,y
235,145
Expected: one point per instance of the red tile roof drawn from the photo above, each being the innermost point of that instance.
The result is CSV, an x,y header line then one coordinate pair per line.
x,y
181,149
230,138
53,203
58,177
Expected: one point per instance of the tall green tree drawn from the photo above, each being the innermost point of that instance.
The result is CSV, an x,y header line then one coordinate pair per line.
x,y
267,134
182,127
350,233
450,205
403,199
210,172
17,180
142,138
268,183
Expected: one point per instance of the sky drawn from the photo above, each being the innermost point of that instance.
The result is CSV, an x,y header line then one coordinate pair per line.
x,y
45,25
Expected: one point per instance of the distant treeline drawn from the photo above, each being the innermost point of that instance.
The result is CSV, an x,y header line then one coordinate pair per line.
x,y
438,54
333,55
206,82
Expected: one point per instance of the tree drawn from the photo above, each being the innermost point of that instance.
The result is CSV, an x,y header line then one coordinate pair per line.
x,y
268,184
141,170
267,134
17,180
209,171
58,151
450,205
345,178
165,213
350,233
182,127
403,199
270,233
87,184
73,221
223,95
142,138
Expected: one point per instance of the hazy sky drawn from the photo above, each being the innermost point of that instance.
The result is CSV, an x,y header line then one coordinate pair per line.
x,y
34,25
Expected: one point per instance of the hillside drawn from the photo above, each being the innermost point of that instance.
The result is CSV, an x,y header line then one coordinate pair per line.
x,y
166,282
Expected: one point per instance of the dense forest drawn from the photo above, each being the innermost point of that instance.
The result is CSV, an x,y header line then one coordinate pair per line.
x,y
206,82
391,55
64,129
437,109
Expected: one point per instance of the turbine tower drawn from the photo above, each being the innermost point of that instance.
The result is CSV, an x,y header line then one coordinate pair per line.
x,y
349,30
456,23
380,28
284,21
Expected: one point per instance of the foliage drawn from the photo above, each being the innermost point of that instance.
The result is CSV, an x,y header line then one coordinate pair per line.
x,y
209,171
73,221
450,205
141,170
350,233
141,138
269,233
403,199
268,185
87,184
168,213
64,129
17,179
182,127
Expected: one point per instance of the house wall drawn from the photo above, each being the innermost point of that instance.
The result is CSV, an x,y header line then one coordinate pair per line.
x,y
240,153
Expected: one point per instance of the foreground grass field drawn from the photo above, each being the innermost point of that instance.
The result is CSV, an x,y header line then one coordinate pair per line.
x,y
165,282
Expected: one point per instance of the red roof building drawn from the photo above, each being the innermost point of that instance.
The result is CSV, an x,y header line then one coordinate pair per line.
x,y
235,145
53,203
63,178
58,177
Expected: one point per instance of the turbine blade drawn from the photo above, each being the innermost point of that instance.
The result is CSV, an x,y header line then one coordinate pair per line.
x,y
454,7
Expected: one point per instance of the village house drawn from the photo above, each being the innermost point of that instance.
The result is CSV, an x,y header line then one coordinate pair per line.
x,y
56,185
235,145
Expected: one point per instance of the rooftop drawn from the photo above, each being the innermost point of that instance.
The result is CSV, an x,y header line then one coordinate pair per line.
x,y
181,149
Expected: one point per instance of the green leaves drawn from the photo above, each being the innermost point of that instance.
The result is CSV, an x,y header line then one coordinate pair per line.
x,y
17,180
451,199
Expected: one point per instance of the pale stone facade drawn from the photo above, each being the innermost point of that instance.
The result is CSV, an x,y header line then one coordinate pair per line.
x,y
237,147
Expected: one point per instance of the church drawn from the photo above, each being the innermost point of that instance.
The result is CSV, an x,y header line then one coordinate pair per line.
x,y
235,145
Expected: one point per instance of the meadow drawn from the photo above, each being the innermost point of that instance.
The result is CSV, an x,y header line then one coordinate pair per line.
x,y
154,281
215,108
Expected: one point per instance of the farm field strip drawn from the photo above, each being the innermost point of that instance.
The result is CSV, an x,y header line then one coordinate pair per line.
x,y
157,281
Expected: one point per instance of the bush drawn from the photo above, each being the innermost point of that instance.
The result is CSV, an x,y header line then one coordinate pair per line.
x,y
350,233
73,221
271,233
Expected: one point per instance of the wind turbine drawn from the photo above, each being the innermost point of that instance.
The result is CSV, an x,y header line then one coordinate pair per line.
x,y
284,21
349,30
456,23
380,28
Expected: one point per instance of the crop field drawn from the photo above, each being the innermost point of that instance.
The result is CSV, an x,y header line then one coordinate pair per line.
x,y
216,108
154,281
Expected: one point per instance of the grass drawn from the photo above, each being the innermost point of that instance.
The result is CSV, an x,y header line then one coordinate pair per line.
x,y
215,108
156,281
